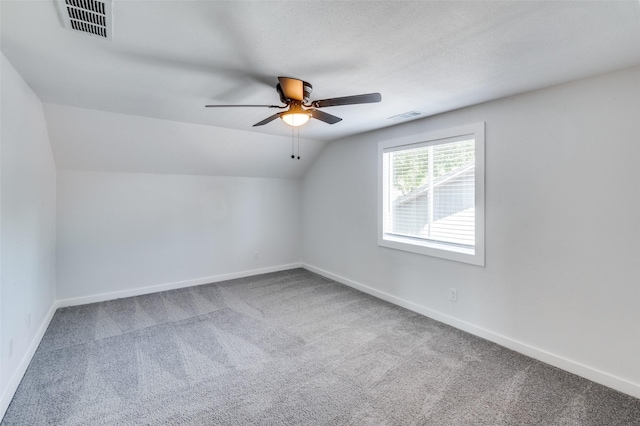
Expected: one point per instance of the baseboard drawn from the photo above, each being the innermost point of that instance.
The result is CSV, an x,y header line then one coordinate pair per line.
x,y
101,297
24,362
576,368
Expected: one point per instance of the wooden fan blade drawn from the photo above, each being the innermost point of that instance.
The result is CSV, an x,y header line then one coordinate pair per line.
x,y
268,119
292,88
323,116
348,100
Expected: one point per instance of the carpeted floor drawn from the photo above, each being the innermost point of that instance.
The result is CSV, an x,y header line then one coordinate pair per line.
x,y
289,348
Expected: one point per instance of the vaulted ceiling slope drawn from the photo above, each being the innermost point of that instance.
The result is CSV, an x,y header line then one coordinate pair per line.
x,y
90,140
167,59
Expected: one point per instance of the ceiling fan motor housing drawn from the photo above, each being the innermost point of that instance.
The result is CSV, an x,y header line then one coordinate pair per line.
x,y
307,88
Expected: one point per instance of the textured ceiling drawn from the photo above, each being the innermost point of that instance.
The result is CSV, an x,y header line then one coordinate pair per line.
x,y
167,59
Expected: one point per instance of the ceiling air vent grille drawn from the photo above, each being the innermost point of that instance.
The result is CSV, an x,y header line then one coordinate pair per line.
x,y
88,16
405,116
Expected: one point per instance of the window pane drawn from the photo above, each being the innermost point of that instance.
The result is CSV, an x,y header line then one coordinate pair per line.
x,y
429,193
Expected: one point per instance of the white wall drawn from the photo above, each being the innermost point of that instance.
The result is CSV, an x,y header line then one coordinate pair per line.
x,y
125,231
562,227
27,224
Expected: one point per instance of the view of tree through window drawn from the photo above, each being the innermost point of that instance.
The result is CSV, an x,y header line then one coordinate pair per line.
x,y
431,193
411,167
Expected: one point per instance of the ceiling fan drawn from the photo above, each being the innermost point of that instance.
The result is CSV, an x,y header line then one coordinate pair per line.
x,y
294,93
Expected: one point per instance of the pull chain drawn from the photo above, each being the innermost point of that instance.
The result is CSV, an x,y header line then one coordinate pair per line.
x,y
298,143
292,156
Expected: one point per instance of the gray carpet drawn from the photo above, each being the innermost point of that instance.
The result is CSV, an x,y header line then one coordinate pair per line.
x,y
289,348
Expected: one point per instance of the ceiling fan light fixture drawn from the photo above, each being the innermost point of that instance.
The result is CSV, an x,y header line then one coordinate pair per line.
x,y
294,94
295,119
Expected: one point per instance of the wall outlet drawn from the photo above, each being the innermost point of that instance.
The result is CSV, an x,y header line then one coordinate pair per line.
x,y
453,294
256,255
29,320
10,347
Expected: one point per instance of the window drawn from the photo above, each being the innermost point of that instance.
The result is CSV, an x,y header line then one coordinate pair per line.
x,y
431,194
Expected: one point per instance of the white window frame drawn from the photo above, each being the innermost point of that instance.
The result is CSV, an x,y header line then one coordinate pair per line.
x,y
474,256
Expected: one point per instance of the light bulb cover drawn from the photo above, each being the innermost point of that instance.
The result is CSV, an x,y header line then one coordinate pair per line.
x,y
295,119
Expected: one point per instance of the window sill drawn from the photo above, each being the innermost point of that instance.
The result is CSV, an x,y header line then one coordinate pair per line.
x,y
434,249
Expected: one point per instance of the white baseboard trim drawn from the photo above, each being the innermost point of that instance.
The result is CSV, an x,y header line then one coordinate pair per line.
x,y
26,359
576,368
83,300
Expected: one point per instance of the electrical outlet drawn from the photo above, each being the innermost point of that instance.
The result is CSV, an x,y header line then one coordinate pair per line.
x,y
10,347
453,294
256,255
29,320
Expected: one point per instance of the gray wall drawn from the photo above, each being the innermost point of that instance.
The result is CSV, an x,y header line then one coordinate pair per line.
x,y
126,231
561,275
27,289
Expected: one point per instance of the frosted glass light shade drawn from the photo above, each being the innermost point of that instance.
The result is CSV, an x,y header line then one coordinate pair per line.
x,y
295,119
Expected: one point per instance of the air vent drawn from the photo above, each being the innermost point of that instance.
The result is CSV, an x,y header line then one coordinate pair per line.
x,y
88,16
405,116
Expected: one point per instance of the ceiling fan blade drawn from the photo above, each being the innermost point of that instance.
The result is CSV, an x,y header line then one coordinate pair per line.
x,y
292,88
268,119
241,106
204,67
323,116
348,100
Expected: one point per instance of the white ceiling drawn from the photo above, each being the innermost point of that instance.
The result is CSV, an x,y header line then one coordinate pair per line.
x,y
168,59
